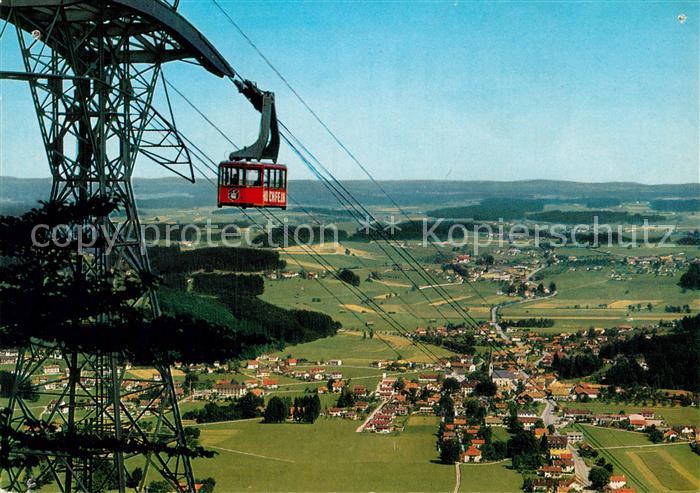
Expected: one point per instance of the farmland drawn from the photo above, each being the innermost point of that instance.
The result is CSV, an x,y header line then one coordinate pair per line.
x,y
651,468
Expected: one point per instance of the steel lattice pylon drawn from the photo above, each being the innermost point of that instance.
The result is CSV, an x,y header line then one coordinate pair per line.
x,y
93,67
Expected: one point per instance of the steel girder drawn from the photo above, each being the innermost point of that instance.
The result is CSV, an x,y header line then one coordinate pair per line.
x,y
93,68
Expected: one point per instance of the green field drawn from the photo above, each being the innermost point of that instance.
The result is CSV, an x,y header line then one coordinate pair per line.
x,y
353,349
648,467
487,478
580,294
674,416
325,456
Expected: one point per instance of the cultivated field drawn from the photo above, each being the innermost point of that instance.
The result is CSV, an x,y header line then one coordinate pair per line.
x,y
648,467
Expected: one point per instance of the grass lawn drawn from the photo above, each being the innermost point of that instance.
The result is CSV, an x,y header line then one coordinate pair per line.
x,y
325,456
484,478
650,468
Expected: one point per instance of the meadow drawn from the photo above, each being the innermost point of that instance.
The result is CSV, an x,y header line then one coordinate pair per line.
x,y
592,298
673,415
649,468
325,456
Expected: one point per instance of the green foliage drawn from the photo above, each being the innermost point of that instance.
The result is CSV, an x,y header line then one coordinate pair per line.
x,y
346,398
578,365
449,451
673,359
486,388
524,449
224,284
599,477
168,260
277,410
348,276
691,279
307,408
291,326
246,407
450,385
40,286
676,205
192,434
26,390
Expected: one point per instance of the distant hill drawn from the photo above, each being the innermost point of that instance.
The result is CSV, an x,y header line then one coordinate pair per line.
x,y
21,193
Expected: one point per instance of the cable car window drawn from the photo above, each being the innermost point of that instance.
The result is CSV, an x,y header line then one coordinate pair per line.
x,y
283,180
253,178
267,177
275,178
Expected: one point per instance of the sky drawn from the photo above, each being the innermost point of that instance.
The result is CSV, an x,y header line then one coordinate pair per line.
x,y
583,91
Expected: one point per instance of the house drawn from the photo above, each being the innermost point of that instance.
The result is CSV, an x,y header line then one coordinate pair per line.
x,y
550,471
337,386
335,362
637,421
52,370
560,391
291,362
528,422
584,392
504,379
617,481
574,436
567,465
230,390
472,454
557,442
428,377
494,421
578,414
670,436
270,383
359,391
252,364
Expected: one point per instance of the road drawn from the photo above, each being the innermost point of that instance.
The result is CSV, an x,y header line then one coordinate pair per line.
x,y
580,467
548,417
458,477
496,325
361,428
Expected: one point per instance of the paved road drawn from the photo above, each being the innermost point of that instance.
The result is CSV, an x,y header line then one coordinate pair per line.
x,y
361,428
496,325
580,466
548,416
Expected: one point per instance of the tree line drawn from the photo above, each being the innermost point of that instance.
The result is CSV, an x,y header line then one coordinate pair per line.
x,y
168,260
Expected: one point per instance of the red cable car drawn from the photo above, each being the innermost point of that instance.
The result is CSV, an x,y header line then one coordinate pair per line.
x,y
248,184
243,182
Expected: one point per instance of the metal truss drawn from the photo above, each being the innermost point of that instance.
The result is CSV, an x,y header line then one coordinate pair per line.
x,y
93,68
